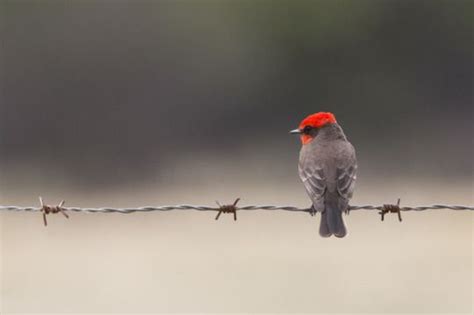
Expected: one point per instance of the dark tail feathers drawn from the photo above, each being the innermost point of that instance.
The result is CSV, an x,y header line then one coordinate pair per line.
x,y
331,221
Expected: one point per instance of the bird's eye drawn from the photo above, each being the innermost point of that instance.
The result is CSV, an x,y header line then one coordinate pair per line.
x,y
307,129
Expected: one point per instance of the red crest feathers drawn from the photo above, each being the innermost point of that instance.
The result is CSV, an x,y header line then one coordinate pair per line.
x,y
318,120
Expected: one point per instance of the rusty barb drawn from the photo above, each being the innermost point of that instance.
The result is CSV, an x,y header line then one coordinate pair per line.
x,y
45,209
389,208
228,209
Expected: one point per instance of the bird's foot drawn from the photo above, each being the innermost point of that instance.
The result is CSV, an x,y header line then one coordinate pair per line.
x,y
312,211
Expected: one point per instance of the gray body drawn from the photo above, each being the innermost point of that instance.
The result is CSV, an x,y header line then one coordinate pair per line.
x,y
328,168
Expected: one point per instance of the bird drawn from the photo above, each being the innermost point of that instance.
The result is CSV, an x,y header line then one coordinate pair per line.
x,y
327,167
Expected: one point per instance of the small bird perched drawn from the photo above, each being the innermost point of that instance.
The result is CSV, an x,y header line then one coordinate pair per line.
x,y
327,168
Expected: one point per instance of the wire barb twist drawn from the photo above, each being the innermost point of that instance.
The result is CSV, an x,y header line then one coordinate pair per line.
x,y
228,209
389,208
45,209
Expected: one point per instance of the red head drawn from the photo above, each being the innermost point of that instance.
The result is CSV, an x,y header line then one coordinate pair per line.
x,y
312,123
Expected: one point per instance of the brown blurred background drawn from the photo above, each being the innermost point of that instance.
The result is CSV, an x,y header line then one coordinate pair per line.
x,y
121,103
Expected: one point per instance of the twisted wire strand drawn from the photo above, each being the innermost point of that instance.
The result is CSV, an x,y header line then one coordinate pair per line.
x,y
248,208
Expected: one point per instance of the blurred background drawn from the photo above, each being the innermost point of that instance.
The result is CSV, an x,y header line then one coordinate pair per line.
x,y
121,103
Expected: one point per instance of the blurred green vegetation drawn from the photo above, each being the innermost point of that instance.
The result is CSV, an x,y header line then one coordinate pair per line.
x,y
132,81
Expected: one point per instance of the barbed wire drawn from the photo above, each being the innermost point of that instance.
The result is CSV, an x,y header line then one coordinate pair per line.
x,y
232,208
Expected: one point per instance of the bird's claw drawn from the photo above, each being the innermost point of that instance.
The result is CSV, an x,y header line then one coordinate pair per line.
x,y
312,211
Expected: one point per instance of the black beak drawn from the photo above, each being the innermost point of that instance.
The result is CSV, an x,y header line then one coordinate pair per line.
x,y
295,132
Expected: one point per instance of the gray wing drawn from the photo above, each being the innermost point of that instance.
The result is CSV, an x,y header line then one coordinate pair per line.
x,y
346,181
315,184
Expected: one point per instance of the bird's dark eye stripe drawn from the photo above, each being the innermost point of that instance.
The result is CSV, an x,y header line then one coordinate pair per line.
x,y
307,129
